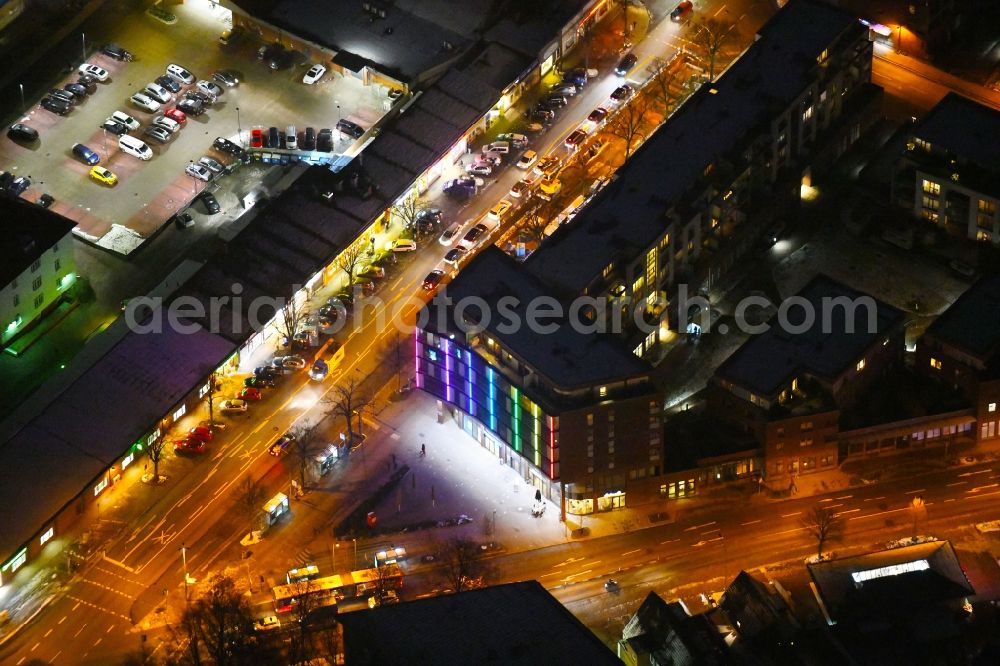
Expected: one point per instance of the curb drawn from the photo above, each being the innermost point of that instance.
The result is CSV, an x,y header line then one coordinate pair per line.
x,y
31,617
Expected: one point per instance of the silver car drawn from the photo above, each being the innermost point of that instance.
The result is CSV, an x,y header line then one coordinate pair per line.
x,y
213,166
158,133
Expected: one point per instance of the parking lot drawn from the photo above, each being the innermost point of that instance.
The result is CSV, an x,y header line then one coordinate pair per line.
x,y
148,193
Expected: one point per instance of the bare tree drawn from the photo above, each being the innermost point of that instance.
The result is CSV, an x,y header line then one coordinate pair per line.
x,y
249,498
347,400
306,445
154,451
395,358
292,316
536,220
821,524
462,569
221,620
661,80
408,211
712,34
350,261
628,123
210,397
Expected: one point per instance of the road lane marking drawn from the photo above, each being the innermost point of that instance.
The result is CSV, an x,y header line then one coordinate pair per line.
x,y
632,552
578,574
914,492
721,9
80,629
841,513
664,543
978,488
46,635
110,627
55,656
828,499
98,641
698,527
844,497
77,606
35,646
789,515
982,471
879,513
63,619
752,522
874,499
20,661
957,483
950,499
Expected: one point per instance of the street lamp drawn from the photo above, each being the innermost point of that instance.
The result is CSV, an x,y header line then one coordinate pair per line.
x,y
355,552
24,107
184,557
338,109
239,126
916,504
83,39
333,553
194,179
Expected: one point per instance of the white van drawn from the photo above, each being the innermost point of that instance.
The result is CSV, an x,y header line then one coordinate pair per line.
x,y
135,147
291,138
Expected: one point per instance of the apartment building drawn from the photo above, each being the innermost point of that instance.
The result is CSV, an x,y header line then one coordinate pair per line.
x,y
572,410
788,385
38,267
949,171
801,92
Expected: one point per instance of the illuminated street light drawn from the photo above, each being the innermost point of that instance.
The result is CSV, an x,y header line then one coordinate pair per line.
x,y
184,557
24,107
916,505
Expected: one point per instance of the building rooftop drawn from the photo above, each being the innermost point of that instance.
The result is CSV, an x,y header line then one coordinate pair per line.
x,y
65,446
567,357
537,24
657,624
896,581
403,44
27,231
972,323
497,65
770,360
514,624
628,215
964,128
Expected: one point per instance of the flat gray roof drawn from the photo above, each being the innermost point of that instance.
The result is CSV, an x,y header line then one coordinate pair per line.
x,y
50,458
972,323
772,359
27,231
567,357
515,624
965,128
403,44
628,215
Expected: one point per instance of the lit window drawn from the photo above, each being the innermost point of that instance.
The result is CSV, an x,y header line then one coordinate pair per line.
x,y
992,407
808,113
930,187
180,412
861,365
936,364
603,391
609,269
46,536
923,145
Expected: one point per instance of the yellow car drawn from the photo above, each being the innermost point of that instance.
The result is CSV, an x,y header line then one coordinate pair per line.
x,y
102,175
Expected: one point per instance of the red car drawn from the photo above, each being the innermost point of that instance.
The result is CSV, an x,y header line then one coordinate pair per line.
x,y
189,445
257,138
201,433
176,114
250,393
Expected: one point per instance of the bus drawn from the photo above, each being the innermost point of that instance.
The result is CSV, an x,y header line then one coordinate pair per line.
x,y
327,591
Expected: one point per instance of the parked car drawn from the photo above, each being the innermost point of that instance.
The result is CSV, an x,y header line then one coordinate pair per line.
x,y
79,91
480,168
626,64
22,132
227,77
501,208
576,76
145,102
565,89
314,74
168,82
102,175
598,115
231,37
114,127
542,115
250,393
176,115
516,140
282,444
461,188
188,445
520,188
18,186
474,235
226,146
433,279
183,220
210,88
324,140
450,234
257,138
556,101
349,128
125,119
211,203
64,95
56,106
455,255
157,133
86,154
158,92
214,166
166,123
681,10
98,73
182,74
622,93
575,138
88,82
117,52
308,139
548,165
191,107
404,245
45,200
527,160
235,405
198,171
293,362
203,433
200,96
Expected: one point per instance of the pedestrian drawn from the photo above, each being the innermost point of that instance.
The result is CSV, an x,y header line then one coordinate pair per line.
x,y
423,449
394,461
